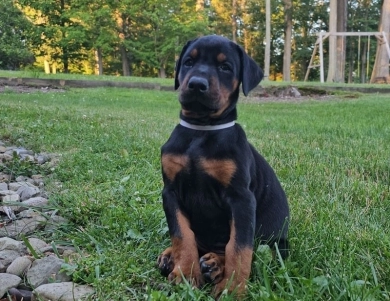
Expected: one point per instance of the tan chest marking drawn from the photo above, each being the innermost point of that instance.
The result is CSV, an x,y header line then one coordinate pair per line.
x,y
221,170
173,164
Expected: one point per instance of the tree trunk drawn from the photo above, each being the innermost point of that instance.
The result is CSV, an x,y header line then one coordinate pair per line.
x,y
332,41
245,18
287,40
234,21
381,67
341,41
267,54
125,61
162,73
99,61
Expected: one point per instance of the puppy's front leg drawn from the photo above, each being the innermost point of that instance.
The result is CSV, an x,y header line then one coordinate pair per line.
x,y
183,255
239,249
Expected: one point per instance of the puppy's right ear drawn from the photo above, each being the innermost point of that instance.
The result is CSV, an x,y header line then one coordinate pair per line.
x,y
178,63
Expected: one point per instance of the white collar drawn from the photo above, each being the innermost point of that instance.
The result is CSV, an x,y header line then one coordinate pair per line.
x,y
207,127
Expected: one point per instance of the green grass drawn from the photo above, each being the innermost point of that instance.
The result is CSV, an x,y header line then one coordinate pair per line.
x,y
332,158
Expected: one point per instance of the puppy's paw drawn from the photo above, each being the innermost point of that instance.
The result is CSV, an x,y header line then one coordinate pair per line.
x,y
193,276
212,267
165,262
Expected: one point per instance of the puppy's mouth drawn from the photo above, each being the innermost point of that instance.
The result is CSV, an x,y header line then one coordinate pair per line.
x,y
196,109
198,104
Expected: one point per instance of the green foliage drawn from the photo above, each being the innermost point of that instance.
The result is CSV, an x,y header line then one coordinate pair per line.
x,y
144,38
14,52
58,36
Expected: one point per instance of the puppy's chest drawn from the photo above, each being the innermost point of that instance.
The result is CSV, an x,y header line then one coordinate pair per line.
x,y
196,165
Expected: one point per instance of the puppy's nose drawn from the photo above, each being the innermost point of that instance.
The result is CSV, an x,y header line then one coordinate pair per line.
x,y
198,84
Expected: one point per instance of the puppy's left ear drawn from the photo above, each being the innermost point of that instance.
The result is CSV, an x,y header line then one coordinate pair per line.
x,y
250,73
178,63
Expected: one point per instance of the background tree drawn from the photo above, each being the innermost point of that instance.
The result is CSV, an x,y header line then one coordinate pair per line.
x,y
14,27
288,23
341,44
267,60
143,38
57,29
98,23
332,41
381,67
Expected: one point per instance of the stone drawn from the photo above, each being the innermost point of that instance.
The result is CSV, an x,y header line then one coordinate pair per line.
x,y
27,191
5,157
7,243
21,179
6,258
8,281
42,158
37,243
20,294
37,180
6,192
54,222
26,157
4,177
29,223
3,186
14,186
2,149
65,291
19,266
22,151
60,249
11,198
34,202
46,269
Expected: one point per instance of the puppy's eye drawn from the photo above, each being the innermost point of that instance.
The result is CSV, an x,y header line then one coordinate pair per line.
x,y
225,67
188,63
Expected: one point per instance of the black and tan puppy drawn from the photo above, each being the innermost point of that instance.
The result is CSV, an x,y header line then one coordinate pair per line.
x,y
219,195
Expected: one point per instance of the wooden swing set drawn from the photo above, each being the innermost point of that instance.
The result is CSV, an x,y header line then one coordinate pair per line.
x,y
381,36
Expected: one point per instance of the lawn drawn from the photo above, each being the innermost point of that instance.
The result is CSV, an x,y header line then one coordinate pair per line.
x,y
332,157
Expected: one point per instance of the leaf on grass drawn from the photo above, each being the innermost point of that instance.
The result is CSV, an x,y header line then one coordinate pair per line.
x,y
124,153
265,253
321,281
125,179
134,234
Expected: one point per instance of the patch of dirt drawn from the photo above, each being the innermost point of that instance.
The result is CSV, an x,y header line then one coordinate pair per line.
x,y
287,94
28,89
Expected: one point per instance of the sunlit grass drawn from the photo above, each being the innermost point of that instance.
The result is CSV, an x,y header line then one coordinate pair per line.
x,y
332,158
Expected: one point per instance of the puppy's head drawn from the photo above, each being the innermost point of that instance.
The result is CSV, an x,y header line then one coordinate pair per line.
x,y
209,73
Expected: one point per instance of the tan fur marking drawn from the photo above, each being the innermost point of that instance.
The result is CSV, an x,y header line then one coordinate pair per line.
x,y
185,254
224,99
173,164
221,170
237,266
194,53
221,57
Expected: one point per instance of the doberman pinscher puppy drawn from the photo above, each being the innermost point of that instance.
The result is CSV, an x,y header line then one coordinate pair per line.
x,y
220,195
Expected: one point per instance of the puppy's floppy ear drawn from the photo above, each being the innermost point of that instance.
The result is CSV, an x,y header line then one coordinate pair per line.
x,y
178,63
250,73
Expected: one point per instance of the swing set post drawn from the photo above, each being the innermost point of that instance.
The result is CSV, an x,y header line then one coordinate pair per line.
x,y
322,36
